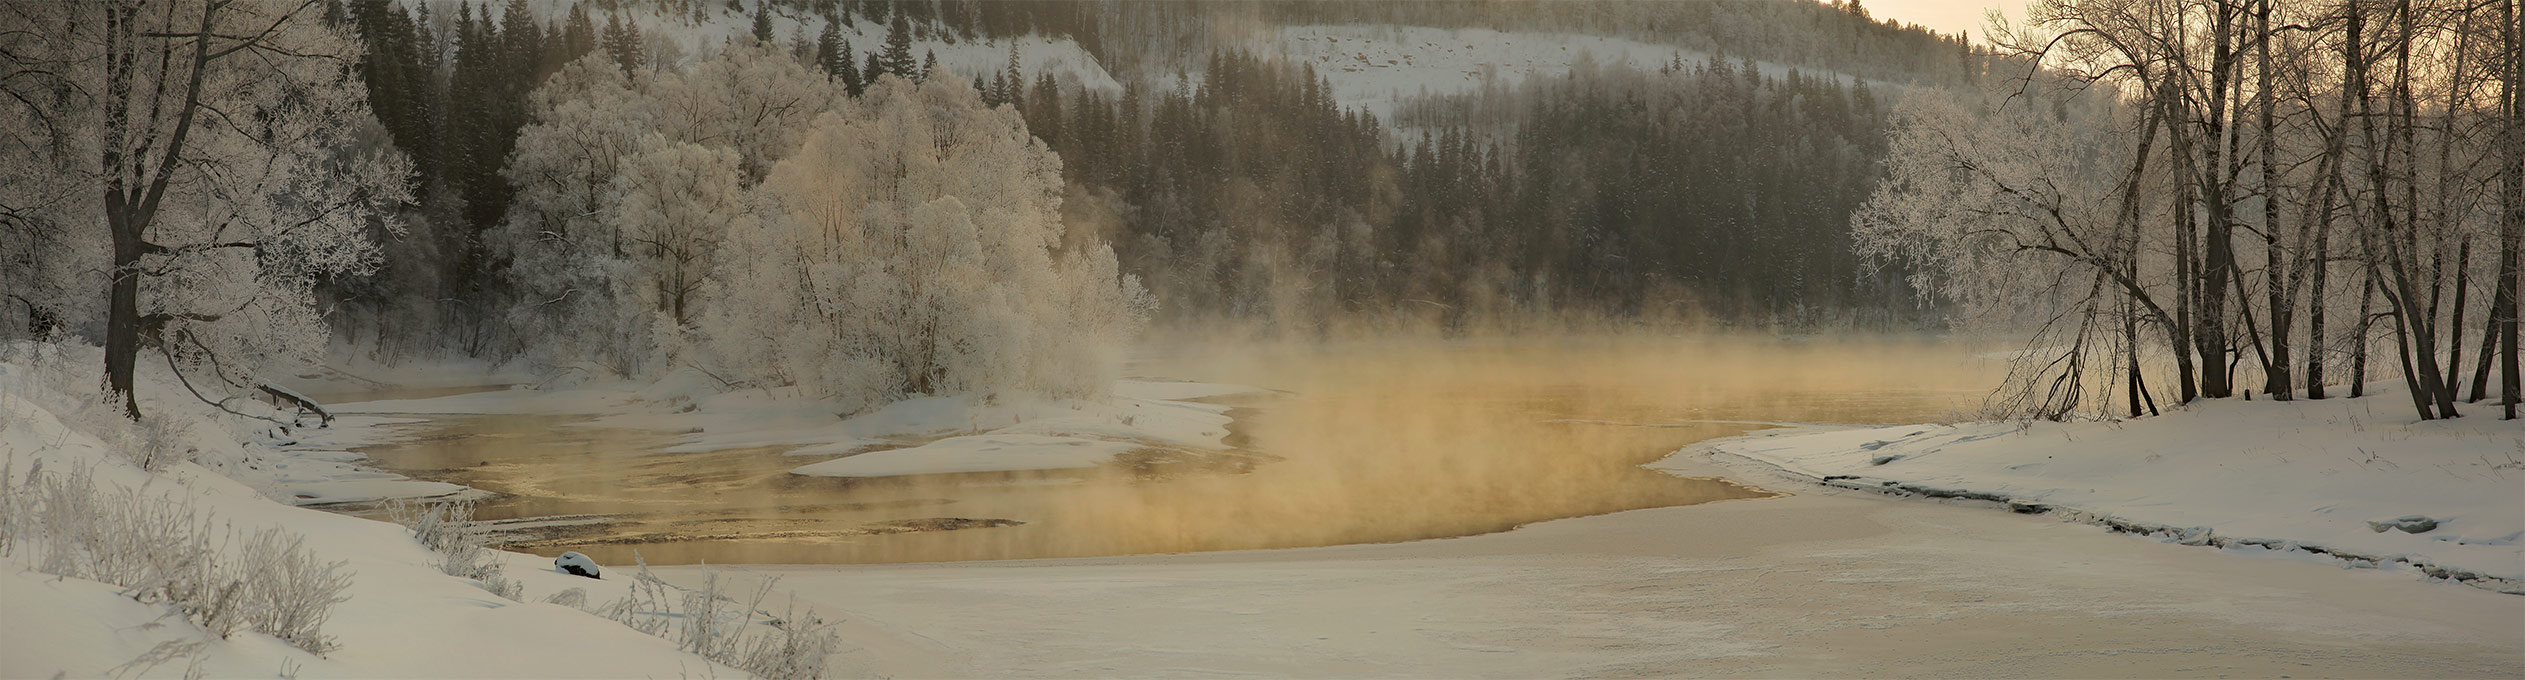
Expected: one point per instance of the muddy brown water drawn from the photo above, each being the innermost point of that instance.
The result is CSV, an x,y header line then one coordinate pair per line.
x,y
1364,442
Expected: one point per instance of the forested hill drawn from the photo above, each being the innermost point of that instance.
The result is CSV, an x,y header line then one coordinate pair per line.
x,y
1162,36
1688,176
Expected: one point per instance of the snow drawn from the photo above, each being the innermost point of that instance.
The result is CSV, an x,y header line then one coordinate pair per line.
x,y
1378,67
2306,475
1063,57
403,618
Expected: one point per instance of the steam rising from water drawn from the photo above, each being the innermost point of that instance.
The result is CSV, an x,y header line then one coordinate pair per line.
x,y
1379,440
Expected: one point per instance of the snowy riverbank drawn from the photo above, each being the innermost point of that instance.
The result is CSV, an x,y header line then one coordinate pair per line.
x,y
927,435
226,477
2358,479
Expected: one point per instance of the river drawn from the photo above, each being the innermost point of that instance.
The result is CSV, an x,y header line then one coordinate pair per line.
x,y
1357,442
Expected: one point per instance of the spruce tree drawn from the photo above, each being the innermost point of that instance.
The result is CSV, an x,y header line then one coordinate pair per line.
x,y
829,51
897,58
622,43
578,34
852,80
762,21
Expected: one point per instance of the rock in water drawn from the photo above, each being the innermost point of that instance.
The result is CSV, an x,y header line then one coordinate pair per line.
x,y
2409,524
574,563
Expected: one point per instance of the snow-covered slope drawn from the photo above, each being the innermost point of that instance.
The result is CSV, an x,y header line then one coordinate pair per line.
x,y
2327,476
1036,54
1378,67
403,616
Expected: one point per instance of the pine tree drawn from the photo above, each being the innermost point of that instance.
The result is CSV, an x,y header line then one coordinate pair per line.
x,y
929,63
853,81
578,34
762,21
1011,81
622,42
897,59
829,49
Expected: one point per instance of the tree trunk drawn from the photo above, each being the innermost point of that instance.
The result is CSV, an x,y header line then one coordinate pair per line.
x,y
2366,329
2511,197
2218,255
122,319
2455,326
2275,379
133,188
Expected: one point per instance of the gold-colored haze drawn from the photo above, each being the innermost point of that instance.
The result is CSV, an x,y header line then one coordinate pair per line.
x,y
1365,441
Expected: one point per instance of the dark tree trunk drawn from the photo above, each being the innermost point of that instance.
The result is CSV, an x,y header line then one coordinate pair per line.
x,y
2281,286
2218,254
122,319
2455,326
2366,330
2511,197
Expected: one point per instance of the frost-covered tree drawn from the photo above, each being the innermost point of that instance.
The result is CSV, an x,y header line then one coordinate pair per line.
x,y
562,256
574,260
752,99
2022,218
221,165
913,245
671,202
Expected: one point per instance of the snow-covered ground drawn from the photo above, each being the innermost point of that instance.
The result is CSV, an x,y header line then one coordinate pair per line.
x,y
2329,476
403,617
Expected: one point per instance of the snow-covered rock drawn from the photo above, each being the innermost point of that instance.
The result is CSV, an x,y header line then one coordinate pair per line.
x,y
576,564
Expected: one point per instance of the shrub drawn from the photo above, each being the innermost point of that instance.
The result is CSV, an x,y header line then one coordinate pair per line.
x,y
792,646
463,545
166,550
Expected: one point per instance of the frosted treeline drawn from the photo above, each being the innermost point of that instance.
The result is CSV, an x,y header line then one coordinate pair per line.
x,y
748,219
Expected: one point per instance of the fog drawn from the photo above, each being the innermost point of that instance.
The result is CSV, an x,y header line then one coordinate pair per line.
x,y
1388,438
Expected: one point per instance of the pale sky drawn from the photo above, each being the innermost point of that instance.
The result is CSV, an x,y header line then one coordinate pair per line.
x,y
1947,17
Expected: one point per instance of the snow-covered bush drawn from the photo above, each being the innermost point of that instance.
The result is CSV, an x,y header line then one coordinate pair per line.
x,y
791,646
163,550
463,545
914,245
63,380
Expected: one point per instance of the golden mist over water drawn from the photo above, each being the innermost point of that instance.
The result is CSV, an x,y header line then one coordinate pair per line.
x,y
1375,440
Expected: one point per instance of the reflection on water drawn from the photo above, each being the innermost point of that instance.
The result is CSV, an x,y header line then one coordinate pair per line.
x,y
1381,441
